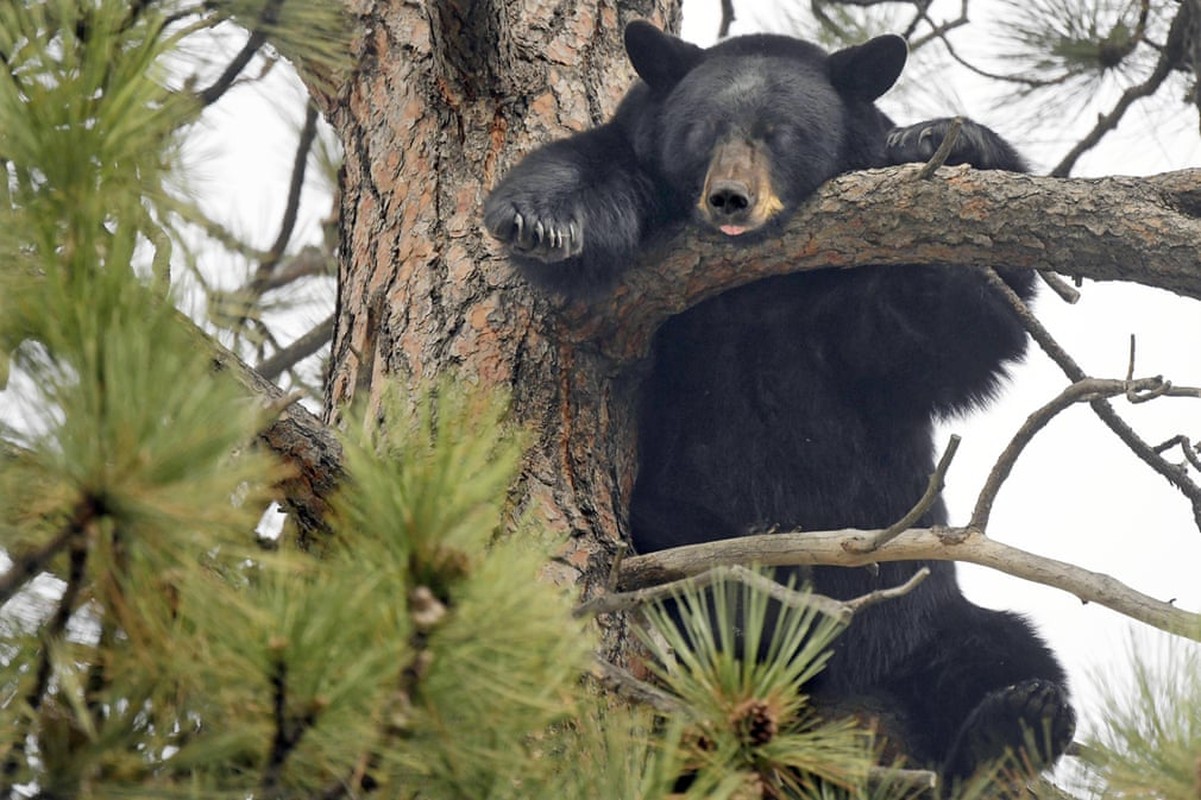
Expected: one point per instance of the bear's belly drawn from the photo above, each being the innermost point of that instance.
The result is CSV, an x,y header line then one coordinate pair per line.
x,y
754,426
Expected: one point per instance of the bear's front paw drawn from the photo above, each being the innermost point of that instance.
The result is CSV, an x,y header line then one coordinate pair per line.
x,y
1031,721
540,233
974,144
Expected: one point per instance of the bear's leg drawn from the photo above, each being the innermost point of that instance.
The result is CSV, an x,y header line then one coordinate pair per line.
x,y
975,144
983,687
1031,720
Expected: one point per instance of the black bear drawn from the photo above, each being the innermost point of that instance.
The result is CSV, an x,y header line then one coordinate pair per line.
x,y
806,401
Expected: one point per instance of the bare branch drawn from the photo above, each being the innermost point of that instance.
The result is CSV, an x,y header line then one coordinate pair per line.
x,y
933,488
258,37
839,610
1023,80
308,134
830,548
309,262
1176,476
727,17
943,152
1186,447
608,603
910,779
1067,293
1084,390
938,30
304,346
880,595
615,568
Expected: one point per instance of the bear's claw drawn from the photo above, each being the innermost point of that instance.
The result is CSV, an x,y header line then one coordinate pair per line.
x,y
536,236
975,144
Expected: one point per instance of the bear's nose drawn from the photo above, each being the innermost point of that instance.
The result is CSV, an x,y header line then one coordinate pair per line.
x,y
728,198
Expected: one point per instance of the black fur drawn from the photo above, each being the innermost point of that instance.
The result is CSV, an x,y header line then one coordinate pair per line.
x,y
804,401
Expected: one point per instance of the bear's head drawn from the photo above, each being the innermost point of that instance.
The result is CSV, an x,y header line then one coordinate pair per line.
x,y
750,127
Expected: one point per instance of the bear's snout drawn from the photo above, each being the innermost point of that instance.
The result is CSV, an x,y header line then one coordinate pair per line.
x,y
737,196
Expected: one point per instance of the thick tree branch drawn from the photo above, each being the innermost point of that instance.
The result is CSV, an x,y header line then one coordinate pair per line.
x,y
1143,230
1138,229
296,436
836,548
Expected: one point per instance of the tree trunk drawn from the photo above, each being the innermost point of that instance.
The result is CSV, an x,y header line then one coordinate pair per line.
x,y
446,96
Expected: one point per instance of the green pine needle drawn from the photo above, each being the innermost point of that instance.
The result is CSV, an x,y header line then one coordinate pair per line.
x,y
750,716
1149,745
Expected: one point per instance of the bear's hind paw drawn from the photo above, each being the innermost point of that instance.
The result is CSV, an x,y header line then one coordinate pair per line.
x,y
1031,721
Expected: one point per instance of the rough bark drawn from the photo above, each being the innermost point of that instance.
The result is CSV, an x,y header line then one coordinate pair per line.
x,y
446,96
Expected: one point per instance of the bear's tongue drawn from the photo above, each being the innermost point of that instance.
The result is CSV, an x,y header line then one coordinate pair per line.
x,y
733,230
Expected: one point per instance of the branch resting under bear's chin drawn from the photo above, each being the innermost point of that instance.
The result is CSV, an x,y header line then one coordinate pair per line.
x,y
1142,230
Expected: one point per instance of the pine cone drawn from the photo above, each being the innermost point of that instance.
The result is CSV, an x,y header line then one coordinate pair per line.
x,y
756,721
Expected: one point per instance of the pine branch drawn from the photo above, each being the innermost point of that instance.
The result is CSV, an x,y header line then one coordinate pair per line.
x,y
27,566
1169,59
81,530
289,728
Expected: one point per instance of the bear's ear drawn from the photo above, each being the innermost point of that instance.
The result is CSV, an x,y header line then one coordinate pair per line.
x,y
868,70
659,58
